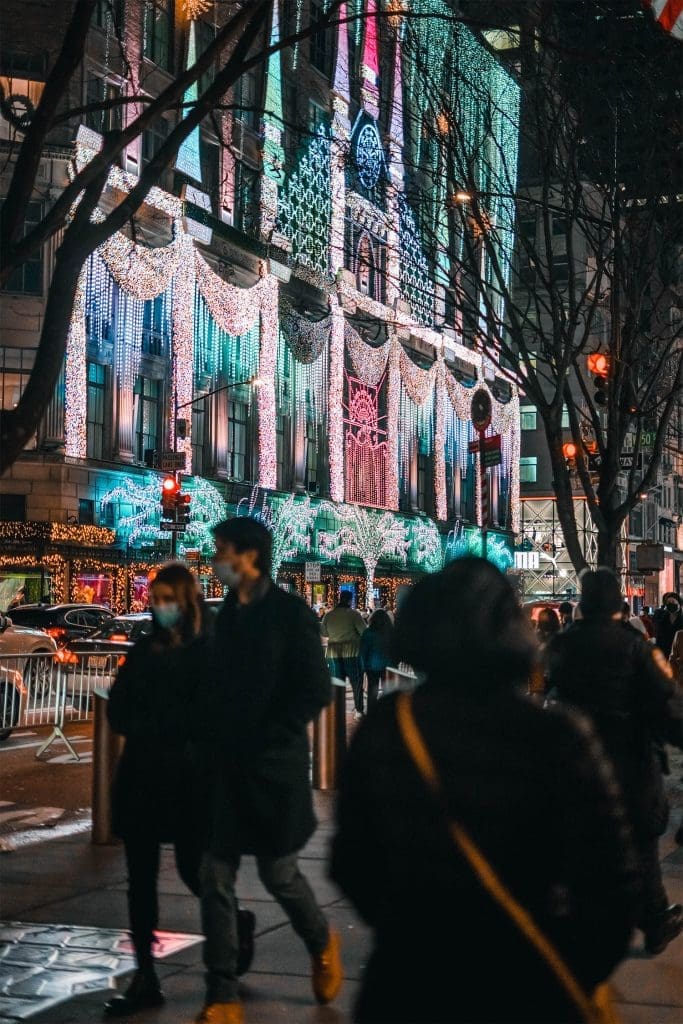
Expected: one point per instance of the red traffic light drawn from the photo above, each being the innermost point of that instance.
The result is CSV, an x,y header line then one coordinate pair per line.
x,y
170,485
598,363
570,450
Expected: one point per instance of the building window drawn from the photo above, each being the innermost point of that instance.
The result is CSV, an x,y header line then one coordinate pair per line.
x,y
238,440
148,416
98,90
246,205
86,511
28,278
155,326
313,460
317,117
424,488
320,48
154,137
206,33
565,418
15,368
246,99
527,470
200,452
108,13
281,452
13,508
209,158
528,417
97,376
157,32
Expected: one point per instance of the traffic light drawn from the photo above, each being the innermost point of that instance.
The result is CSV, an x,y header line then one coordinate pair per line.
x,y
182,506
169,490
570,451
598,364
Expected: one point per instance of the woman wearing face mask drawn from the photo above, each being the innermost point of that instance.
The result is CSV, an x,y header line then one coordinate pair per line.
x,y
668,621
156,792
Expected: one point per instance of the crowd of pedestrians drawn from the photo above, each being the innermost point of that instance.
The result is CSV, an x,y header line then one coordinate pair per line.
x,y
497,828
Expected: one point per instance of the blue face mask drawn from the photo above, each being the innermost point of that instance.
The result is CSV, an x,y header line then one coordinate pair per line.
x,y
166,615
227,575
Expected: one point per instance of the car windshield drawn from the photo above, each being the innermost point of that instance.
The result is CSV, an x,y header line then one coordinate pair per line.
x,y
130,629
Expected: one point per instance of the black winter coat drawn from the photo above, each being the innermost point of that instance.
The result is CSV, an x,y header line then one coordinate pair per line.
x,y
666,629
531,788
269,681
607,670
156,789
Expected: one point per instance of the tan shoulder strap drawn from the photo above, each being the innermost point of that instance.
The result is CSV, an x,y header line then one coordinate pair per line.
x,y
421,757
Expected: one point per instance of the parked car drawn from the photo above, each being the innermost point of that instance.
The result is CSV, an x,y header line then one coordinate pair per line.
x,y
63,622
18,674
91,661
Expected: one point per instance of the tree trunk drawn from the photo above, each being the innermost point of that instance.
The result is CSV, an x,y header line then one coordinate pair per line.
x,y
17,426
608,545
565,502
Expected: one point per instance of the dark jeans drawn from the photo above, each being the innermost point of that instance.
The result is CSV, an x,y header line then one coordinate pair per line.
x,y
350,668
654,900
142,859
283,880
374,679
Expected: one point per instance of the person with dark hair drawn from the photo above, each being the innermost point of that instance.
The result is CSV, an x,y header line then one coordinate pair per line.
x,y
566,613
468,762
375,651
344,627
269,681
668,620
155,796
608,671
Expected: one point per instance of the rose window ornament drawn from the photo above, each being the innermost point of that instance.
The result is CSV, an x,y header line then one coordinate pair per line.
x,y
369,157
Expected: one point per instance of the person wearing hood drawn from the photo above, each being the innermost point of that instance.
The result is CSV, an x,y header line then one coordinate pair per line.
x,y
605,669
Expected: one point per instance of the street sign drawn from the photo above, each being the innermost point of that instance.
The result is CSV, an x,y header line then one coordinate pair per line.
x,y
492,454
312,572
192,555
169,527
650,556
169,462
627,461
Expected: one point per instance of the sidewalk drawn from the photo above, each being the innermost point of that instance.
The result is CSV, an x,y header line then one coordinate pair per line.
x,y
70,882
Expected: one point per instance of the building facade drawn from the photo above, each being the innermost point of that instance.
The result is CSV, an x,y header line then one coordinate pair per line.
x,y
278,314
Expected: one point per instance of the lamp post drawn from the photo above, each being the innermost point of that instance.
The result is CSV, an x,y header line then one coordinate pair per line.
x,y
254,381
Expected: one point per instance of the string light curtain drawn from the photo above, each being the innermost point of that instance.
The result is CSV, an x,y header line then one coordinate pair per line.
x,y
219,355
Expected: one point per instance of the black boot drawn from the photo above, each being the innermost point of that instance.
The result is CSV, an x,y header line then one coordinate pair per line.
x,y
664,930
246,923
143,992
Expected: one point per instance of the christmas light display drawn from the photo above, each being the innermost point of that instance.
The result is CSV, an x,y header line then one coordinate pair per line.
x,y
188,160
463,542
336,404
56,533
142,524
367,535
369,363
75,378
426,549
305,209
290,521
306,338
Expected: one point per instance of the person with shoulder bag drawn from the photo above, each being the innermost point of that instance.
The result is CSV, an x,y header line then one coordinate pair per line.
x,y
480,836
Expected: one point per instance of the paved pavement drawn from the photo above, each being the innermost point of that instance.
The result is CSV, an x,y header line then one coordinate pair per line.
x,y
67,881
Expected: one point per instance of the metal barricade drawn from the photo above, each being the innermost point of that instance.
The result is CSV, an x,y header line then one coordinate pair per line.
x,y
39,690
400,677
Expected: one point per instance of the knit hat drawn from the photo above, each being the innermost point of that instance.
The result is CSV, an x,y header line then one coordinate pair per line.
x,y
600,593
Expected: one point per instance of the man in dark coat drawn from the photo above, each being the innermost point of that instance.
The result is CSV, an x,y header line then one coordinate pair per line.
x,y
667,621
268,682
607,670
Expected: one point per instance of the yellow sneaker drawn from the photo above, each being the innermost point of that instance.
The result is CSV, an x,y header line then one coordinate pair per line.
x,y
328,972
221,1013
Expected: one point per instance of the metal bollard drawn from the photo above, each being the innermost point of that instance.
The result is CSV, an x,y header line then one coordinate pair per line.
x,y
107,748
329,739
